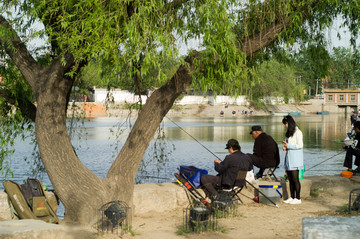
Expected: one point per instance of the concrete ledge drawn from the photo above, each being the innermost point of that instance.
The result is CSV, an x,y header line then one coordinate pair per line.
x,y
330,227
29,229
36,229
162,197
4,207
150,197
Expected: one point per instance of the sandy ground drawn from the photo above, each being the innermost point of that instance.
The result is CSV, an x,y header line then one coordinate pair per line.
x,y
256,220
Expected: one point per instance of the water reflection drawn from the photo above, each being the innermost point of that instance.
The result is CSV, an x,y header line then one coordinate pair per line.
x,y
97,147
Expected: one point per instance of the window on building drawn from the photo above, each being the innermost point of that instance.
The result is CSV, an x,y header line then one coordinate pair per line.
x,y
330,97
341,98
352,97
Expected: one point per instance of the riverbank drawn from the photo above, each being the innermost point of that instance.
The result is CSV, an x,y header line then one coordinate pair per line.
x,y
206,110
329,197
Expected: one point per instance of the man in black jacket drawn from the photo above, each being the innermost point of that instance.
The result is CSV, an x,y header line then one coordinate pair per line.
x,y
227,169
353,149
266,151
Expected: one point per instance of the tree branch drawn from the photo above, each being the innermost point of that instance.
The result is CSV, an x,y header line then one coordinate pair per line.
x,y
28,109
17,50
266,36
174,5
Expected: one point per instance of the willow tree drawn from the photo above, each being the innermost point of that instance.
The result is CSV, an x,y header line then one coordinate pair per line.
x,y
121,33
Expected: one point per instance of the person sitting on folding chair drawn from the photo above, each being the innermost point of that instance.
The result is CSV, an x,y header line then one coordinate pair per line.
x,y
266,151
227,169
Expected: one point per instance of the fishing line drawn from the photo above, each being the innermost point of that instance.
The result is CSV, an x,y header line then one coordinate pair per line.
x,y
324,161
148,176
193,138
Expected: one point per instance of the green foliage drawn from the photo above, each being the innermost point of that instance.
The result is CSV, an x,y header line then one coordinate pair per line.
x,y
132,44
277,80
14,126
135,106
345,68
311,64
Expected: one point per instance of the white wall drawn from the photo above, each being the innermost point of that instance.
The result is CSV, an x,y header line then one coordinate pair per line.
x,y
122,96
119,96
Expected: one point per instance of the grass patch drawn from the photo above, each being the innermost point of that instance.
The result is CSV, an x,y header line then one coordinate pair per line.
x,y
132,231
229,211
223,229
184,230
315,192
344,209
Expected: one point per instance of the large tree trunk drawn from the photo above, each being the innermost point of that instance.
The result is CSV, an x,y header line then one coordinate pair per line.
x,y
79,189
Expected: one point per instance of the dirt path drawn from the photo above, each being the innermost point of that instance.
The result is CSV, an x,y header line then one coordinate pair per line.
x,y
258,220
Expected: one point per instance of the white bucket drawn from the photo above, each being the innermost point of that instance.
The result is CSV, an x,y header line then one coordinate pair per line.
x,y
272,192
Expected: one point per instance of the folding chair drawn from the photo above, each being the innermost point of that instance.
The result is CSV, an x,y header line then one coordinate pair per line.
x,y
270,172
239,184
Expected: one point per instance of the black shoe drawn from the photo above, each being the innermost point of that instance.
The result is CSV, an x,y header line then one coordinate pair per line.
x,y
356,171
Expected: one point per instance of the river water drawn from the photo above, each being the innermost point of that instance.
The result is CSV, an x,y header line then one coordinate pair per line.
x,y
196,141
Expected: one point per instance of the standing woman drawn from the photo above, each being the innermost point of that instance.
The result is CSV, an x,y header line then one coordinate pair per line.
x,y
294,160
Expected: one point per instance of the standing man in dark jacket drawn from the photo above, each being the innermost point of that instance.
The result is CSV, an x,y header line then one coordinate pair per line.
x,y
353,118
227,169
266,151
353,149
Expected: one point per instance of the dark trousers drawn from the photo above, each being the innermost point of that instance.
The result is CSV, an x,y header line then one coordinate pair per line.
x,y
209,184
261,163
294,183
349,158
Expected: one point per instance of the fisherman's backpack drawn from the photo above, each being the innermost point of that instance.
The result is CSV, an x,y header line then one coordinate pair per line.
x,y
29,201
192,174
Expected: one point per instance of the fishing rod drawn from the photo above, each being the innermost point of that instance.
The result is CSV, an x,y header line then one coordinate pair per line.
x,y
193,138
324,170
324,161
262,193
219,159
148,176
